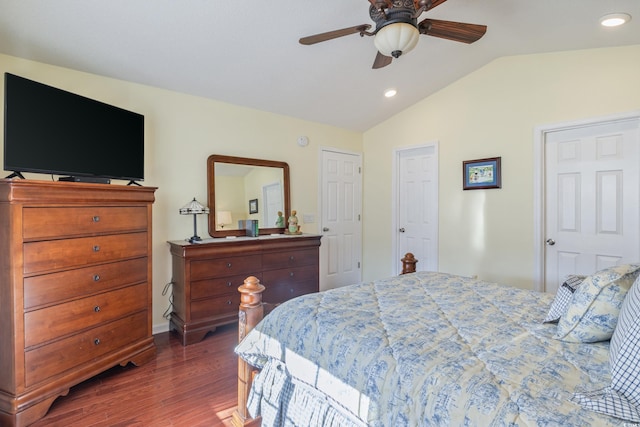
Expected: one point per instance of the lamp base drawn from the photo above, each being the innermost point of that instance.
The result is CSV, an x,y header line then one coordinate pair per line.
x,y
195,238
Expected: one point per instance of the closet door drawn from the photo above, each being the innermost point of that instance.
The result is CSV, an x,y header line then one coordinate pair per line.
x,y
592,185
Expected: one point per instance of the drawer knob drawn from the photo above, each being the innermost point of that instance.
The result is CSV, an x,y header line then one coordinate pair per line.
x,y
291,274
228,265
291,258
229,302
96,277
96,248
96,218
96,341
96,308
229,284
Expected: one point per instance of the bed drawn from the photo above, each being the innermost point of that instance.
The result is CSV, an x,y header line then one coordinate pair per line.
x,y
424,349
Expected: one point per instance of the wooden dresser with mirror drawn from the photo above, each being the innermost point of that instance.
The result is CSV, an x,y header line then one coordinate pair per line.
x,y
206,275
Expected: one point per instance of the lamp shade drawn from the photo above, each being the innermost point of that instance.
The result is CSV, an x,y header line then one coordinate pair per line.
x,y
194,207
395,39
223,218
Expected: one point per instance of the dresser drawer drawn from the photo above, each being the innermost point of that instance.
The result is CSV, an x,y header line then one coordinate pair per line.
x,y
282,292
55,287
52,222
60,356
289,275
214,307
64,319
223,267
275,260
213,287
284,284
70,253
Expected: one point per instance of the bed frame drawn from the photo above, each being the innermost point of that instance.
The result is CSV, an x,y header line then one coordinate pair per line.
x,y
252,311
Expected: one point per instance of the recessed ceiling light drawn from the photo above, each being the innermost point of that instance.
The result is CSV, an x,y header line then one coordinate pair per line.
x,y
614,19
390,93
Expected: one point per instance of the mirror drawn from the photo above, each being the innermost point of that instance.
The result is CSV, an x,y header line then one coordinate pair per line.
x,y
241,189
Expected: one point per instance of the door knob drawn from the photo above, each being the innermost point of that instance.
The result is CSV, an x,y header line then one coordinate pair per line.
x,y
325,229
551,242
401,230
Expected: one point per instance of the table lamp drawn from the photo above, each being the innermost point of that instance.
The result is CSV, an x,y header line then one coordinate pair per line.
x,y
194,208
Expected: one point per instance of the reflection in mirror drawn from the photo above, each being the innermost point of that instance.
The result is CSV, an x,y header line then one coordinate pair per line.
x,y
242,189
247,192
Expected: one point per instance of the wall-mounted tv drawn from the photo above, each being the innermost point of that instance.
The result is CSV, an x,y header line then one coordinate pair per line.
x,y
49,130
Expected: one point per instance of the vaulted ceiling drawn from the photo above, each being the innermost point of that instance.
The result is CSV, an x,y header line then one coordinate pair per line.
x,y
247,53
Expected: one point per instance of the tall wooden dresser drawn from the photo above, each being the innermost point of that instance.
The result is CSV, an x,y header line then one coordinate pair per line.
x,y
75,288
206,277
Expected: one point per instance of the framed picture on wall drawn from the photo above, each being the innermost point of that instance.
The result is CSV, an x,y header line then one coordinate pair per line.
x,y
481,173
253,206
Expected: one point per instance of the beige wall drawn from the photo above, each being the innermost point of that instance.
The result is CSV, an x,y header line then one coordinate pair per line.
x,y
181,132
491,112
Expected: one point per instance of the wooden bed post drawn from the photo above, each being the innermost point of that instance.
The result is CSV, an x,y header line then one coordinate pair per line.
x,y
250,314
408,263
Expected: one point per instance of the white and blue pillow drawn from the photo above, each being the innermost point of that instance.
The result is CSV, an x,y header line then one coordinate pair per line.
x,y
622,398
563,298
592,313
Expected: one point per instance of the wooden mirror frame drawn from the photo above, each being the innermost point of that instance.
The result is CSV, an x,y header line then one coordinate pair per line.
x,y
211,192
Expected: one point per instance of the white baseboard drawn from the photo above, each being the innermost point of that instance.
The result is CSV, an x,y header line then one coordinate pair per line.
x,y
161,328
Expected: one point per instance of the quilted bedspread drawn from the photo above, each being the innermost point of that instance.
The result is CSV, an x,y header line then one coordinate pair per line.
x,y
423,349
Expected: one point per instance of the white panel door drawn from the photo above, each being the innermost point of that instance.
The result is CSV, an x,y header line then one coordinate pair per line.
x,y
341,248
592,210
273,203
417,214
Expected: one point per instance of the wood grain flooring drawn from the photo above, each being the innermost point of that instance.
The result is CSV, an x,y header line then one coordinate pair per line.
x,y
188,386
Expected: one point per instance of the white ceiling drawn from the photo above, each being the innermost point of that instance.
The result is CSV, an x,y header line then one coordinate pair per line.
x,y
247,53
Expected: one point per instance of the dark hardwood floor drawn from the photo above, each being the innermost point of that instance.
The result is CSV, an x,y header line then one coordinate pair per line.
x,y
184,387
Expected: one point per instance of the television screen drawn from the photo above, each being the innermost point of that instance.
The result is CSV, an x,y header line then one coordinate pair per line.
x,y
49,130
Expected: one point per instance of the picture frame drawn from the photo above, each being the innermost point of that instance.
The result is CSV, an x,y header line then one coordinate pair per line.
x,y
253,206
482,173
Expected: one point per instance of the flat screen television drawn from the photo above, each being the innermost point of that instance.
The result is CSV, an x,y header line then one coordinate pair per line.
x,y
49,130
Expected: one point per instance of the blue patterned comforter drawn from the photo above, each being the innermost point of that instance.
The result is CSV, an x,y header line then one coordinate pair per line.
x,y
423,349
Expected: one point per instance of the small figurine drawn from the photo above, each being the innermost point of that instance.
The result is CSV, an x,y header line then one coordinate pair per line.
x,y
293,224
280,220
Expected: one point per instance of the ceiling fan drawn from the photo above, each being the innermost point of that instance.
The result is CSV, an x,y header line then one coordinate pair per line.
x,y
397,28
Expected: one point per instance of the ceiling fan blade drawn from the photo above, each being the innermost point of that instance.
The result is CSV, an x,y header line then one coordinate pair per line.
x,y
456,31
433,4
381,61
317,38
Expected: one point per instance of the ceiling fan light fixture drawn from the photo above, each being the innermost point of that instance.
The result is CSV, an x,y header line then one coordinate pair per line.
x,y
615,19
396,39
